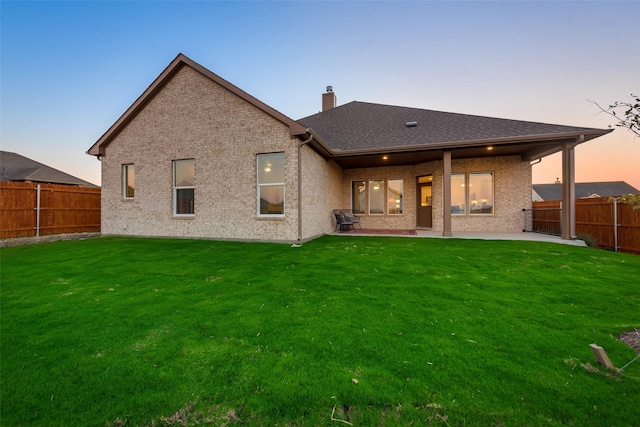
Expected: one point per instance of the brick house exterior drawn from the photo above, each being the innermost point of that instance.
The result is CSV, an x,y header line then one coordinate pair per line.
x,y
512,179
192,120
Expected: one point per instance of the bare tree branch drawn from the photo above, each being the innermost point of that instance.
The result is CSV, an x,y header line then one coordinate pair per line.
x,y
627,114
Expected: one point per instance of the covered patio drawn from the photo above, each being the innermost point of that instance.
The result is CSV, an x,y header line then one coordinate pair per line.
x,y
366,140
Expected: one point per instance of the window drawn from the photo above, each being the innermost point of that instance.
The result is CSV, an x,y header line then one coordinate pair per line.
x,y
458,194
376,196
270,184
128,181
476,192
426,193
394,197
358,197
183,187
481,193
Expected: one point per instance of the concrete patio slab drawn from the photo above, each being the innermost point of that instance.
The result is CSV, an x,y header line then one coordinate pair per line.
x,y
478,235
536,237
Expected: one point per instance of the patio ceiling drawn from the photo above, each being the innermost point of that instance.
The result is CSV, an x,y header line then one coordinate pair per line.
x,y
400,156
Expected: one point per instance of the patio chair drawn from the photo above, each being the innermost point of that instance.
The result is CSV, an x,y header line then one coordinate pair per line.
x,y
342,220
349,214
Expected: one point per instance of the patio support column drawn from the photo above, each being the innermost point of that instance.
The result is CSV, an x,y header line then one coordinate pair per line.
x,y
446,195
568,220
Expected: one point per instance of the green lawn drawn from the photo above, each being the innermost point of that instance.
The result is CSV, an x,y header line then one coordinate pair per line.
x,y
369,331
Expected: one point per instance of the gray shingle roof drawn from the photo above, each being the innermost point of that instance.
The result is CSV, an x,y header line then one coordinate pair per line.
x,y
586,189
362,125
14,167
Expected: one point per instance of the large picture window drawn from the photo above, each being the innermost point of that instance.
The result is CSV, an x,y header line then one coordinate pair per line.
x,y
270,178
394,197
128,181
184,187
358,197
481,193
472,194
376,196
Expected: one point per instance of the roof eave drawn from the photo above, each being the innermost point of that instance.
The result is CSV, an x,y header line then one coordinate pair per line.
x,y
588,134
319,144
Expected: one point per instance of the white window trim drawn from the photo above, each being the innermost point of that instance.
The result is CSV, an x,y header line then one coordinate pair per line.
x,y
467,201
125,168
466,195
175,192
387,196
364,182
270,184
493,193
384,194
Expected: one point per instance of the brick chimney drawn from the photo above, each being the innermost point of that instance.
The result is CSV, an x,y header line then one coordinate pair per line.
x,y
329,100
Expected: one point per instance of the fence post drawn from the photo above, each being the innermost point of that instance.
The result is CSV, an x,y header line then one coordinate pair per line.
x,y
615,224
38,211
561,218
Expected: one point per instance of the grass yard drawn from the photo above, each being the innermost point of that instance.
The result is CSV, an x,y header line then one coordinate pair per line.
x,y
358,330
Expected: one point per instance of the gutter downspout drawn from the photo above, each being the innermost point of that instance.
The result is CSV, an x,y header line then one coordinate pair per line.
x,y
305,142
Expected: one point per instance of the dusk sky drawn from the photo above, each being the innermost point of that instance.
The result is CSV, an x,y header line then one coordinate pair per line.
x,y
69,70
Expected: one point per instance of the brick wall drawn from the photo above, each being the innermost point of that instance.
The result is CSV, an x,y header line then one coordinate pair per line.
x,y
193,117
512,190
405,221
321,193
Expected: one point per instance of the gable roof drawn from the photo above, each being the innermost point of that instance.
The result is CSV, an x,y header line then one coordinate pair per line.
x,y
586,189
14,167
295,129
357,133
360,128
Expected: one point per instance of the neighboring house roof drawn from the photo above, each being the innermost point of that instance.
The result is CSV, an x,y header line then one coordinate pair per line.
x,y
295,129
14,167
360,128
586,189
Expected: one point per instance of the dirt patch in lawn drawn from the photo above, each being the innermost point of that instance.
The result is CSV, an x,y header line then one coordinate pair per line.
x,y
632,339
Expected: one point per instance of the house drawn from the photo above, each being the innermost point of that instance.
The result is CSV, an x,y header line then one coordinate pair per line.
x,y
196,156
17,168
584,190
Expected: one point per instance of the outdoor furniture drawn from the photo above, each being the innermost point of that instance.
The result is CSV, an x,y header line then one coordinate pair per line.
x,y
342,220
349,214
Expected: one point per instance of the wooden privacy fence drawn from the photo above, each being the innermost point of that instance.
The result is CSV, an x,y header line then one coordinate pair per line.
x,y
612,225
30,209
